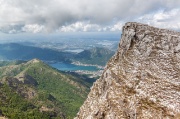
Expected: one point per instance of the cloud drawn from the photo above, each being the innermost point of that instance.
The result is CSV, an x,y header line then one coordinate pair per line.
x,y
83,15
117,27
88,27
81,27
34,28
164,19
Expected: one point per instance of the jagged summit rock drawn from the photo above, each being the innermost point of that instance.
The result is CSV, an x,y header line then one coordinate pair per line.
x,y
141,81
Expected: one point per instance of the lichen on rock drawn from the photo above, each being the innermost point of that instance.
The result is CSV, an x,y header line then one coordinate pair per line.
x,y
141,81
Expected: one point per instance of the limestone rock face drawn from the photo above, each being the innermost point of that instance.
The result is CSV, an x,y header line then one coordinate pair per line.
x,y
141,81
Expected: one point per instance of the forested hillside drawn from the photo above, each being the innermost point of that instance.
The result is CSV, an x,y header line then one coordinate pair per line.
x,y
34,89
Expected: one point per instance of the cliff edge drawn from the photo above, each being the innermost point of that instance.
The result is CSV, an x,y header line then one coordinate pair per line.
x,y
141,81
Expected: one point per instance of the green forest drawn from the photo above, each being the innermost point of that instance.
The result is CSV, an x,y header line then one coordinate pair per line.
x,y
35,90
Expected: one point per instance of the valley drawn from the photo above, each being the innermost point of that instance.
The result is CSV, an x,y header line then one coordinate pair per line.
x,y
89,61
49,82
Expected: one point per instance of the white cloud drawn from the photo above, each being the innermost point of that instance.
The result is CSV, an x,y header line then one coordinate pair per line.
x,y
12,31
68,15
81,27
87,27
164,19
33,28
117,26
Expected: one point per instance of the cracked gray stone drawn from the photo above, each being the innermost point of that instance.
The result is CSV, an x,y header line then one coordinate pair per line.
x,y
141,81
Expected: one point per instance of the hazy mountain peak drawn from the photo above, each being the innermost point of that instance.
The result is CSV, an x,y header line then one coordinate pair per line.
x,y
35,60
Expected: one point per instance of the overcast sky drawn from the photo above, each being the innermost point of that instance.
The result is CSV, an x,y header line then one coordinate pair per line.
x,y
34,16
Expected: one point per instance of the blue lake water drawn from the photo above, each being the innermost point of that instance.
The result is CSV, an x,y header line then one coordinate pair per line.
x,y
72,67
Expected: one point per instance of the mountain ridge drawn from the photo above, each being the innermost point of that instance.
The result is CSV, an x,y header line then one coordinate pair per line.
x,y
47,91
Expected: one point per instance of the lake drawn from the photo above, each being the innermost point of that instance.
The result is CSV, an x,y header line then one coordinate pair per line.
x,y
72,67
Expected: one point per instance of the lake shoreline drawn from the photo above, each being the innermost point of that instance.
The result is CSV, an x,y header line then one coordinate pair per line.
x,y
82,64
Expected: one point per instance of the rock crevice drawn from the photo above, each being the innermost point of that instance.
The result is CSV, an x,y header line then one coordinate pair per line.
x,y
142,80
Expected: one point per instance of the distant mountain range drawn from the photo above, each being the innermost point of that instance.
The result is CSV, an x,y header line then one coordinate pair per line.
x,y
35,90
98,56
14,51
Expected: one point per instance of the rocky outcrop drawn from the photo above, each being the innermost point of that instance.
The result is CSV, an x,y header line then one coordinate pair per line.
x,y
141,81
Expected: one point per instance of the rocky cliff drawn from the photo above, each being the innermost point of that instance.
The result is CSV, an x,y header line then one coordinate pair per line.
x,y
141,81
